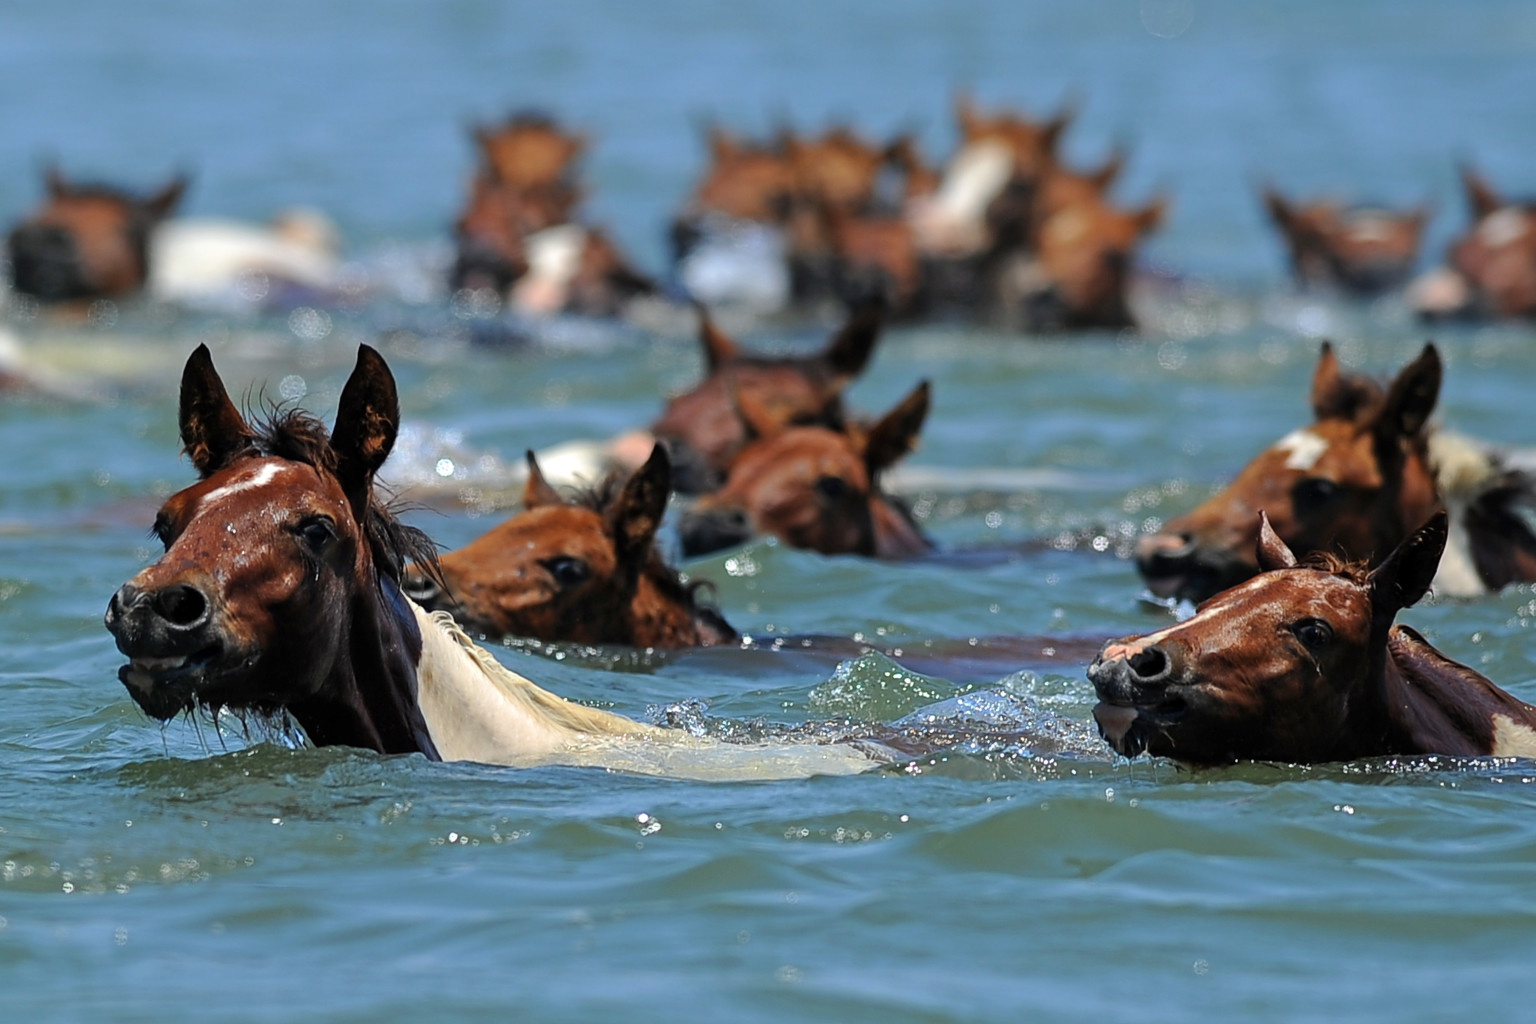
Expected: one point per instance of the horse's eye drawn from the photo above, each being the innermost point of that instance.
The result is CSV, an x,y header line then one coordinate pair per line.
x,y
317,532
567,571
1313,494
1313,633
832,488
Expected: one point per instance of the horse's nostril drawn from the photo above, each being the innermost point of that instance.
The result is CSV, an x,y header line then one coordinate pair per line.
x,y
181,605
1150,664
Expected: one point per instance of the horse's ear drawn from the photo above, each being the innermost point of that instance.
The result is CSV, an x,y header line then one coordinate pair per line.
x,y
637,514
966,116
1106,175
848,351
1481,196
1336,394
1412,396
367,419
1056,127
1150,216
721,146
1272,551
1279,210
212,429
1404,576
537,491
896,433
163,203
53,181
718,348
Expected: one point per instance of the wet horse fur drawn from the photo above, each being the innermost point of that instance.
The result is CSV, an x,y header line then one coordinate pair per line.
x,y
585,570
1354,484
279,591
1302,664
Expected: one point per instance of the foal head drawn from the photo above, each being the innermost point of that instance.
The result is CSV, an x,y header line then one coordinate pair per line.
x,y
814,488
87,241
529,151
585,571
1353,484
279,583
1290,666
492,232
702,429
1497,256
1364,250
744,180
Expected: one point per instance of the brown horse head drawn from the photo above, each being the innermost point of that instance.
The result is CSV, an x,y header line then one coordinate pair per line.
x,y
1032,143
1362,250
279,588
87,241
839,169
1302,664
529,151
1354,484
584,571
1497,258
1080,272
744,180
491,233
919,178
605,280
875,261
813,488
702,429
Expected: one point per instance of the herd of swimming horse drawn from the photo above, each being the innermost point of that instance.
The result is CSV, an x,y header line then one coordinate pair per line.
x,y
289,587
1003,232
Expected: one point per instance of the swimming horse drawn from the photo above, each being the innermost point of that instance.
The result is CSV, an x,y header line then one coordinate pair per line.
x,y
1355,484
1359,250
1302,664
813,487
584,570
279,592
1491,270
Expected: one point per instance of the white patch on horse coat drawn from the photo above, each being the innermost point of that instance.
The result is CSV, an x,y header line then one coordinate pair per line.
x,y
258,477
1512,739
1303,449
554,257
1503,227
1462,469
476,709
953,219
210,260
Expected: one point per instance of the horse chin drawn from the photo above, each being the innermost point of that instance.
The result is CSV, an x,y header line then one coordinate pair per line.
x,y
165,687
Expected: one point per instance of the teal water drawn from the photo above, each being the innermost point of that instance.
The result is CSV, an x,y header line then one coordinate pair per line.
x,y
193,873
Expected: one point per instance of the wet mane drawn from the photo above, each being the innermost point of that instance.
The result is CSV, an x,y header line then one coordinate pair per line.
x,y
1327,561
297,436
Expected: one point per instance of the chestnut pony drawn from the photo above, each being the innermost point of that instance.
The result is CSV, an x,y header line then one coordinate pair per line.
x,y
1355,484
1360,250
1302,664
279,592
585,571
87,241
814,488
701,428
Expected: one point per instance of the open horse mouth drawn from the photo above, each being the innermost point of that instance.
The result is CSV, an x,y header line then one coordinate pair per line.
x,y
1129,728
165,687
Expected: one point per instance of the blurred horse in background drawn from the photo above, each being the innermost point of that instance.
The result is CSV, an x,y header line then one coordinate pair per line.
x,y
583,570
1356,250
1491,270
518,235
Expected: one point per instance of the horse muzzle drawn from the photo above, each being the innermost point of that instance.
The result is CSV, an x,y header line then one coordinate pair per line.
x,y
46,264
171,641
1176,565
703,531
1137,693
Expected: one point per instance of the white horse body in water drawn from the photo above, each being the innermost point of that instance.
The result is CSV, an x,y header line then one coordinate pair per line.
x,y
478,710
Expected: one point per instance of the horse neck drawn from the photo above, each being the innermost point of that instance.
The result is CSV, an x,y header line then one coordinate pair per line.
x,y
1425,703
370,698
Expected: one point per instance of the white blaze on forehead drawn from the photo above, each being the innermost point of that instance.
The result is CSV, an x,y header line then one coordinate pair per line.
x,y
952,220
1211,612
258,477
1303,448
1503,227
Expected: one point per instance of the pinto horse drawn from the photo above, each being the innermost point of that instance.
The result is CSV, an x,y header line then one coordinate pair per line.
x,y
1491,270
585,571
814,488
1361,250
702,429
279,592
87,241
1303,665
1354,484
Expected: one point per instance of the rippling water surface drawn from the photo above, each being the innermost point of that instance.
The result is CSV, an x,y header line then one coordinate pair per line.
x,y
189,872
